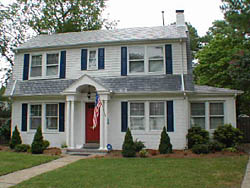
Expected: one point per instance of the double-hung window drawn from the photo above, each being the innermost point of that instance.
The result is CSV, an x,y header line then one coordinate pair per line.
x,y
36,66
136,59
52,64
92,59
156,115
155,58
137,116
35,116
198,115
51,116
216,112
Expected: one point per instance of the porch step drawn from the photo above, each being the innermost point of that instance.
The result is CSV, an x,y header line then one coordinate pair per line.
x,y
85,152
91,146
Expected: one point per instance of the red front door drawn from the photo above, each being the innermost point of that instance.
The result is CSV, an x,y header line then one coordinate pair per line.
x,y
92,135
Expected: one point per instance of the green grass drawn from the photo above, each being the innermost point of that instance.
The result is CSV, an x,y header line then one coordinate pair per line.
x,y
153,173
11,161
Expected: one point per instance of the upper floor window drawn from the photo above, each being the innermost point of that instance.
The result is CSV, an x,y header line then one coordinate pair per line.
x,y
52,64
36,66
155,58
92,58
136,59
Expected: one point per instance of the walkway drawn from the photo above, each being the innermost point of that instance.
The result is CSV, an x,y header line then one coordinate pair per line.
x,y
246,180
22,175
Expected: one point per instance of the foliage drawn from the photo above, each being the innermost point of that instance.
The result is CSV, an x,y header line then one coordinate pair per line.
x,y
201,149
37,146
128,146
197,135
139,145
231,149
45,144
15,139
195,40
143,153
5,130
64,145
228,135
216,146
165,144
22,148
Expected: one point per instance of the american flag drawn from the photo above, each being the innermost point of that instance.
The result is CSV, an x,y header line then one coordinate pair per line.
x,y
98,105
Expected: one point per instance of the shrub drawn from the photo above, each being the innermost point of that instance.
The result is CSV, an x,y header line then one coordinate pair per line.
x,y
128,146
216,146
228,135
22,148
37,144
201,148
5,130
139,145
143,153
231,149
15,139
45,144
165,145
64,145
197,135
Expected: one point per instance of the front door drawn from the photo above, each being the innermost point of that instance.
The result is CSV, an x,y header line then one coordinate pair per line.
x,y
92,135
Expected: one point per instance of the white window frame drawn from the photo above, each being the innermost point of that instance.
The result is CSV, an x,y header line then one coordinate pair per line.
x,y
164,114
198,116
45,118
92,68
58,65
144,59
30,66
129,115
29,116
220,116
163,58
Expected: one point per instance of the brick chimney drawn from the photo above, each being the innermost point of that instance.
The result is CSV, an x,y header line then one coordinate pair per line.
x,y
180,20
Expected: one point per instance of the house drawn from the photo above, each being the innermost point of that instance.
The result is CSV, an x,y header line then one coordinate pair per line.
x,y
143,77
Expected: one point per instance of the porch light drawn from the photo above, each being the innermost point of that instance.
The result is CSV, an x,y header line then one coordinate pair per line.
x,y
89,94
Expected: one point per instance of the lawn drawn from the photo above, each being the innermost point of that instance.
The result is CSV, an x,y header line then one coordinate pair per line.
x,y
11,161
150,172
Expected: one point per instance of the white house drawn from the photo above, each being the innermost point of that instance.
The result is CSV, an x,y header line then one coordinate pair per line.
x,y
142,75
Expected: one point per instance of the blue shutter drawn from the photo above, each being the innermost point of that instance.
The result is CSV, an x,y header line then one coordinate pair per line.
x,y
101,58
124,61
170,116
24,117
169,61
26,66
124,115
61,116
84,57
63,64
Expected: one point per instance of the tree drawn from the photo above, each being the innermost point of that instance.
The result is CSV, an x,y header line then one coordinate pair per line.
x,y
37,146
128,146
195,40
15,139
165,144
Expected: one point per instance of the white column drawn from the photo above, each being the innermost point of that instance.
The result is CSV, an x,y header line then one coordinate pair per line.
x,y
68,123
102,124
106,124
72,144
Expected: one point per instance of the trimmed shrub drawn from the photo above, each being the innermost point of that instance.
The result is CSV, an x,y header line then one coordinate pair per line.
x,y
139,145
143,153
45,144
228,135
165,144
37,144
201,149
22,148
128,146
216,146
197,135
5,130
15,139
231,149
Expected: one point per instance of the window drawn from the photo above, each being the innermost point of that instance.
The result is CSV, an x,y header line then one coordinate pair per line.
x,y
52,64
156,115
136,59
51,116
155,58
36,66
92,59
35,116
137,116
198,114
216,115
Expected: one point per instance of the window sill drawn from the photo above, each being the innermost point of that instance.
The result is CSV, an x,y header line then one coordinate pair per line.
x,y
43,78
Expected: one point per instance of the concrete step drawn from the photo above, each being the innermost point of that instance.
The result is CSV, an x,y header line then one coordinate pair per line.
x,y
91,146
86,152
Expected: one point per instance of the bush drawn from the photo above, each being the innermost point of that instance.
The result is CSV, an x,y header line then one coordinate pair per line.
x,y
37,146
128,146
216,146
45,144
64,145
231,149
22,148
201,148
15,139
165,145
5,130
143,153
139,145
197,135
228,135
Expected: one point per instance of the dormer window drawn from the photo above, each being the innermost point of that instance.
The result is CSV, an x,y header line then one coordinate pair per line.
x,y
36,66
52,64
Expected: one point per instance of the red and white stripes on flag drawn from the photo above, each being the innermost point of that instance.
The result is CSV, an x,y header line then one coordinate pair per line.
x,y
98,105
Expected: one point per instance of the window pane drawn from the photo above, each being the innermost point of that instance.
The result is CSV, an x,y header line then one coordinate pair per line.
x,y
156,123
136,52
52,59
36,60
52,70
216,121
51,122
35,110
197,109
92,59
216,109
155,52
157,108
137,123
51,109
137,109
155,65
35,122
198,121
35,71
136,66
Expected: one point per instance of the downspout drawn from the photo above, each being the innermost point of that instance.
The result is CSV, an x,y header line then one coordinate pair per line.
x,y
182,74
13,88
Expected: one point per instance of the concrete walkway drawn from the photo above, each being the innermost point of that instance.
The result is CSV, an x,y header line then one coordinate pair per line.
x,y
246,180
22,175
